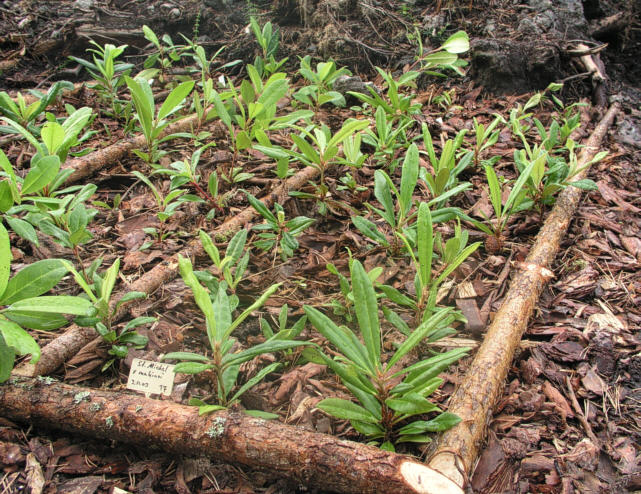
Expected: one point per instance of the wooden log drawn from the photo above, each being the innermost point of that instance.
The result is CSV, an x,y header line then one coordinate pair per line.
x,y
311,459
482,385
71,342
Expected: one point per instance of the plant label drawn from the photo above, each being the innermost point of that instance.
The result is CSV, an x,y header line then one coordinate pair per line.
x,y
151,377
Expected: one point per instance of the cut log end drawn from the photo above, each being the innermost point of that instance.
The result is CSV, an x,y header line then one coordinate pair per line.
x,y
425,480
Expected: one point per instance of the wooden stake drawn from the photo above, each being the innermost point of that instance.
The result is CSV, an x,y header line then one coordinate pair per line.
x,y
312,459
482,386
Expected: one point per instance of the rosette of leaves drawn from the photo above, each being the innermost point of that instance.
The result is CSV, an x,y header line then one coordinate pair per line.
x,y
391,395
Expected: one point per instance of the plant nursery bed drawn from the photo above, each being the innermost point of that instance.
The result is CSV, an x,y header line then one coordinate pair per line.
x,y
256,247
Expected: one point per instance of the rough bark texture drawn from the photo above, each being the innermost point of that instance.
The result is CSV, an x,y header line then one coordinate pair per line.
x,y
312,459
87,165
482,386
57,352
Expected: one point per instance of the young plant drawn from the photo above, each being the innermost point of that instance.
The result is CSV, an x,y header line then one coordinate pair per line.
x,y
236,259
56,139
387,138
26,114
167,204
321,155
319,90
152,123
502,211
99,288
443,181
397,105
428,280
485,137
276,231
224,362
24,305
389,394
165,55
268,39
445,56
109,75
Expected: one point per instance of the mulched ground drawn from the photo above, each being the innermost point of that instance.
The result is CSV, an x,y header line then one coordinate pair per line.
x,y
569,417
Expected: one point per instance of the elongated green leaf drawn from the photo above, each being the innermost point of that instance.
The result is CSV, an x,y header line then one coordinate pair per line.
x,y
191,368
109,281
200,295
515,193
383,193
408,178
34,280
41,321
43,171
17,338
366,308
442,422
57,304
260,301
53,135
343,409
260,375
306,148
23,229
346,130
236,245
7,359
209,247
411,404
144,101
370,230
26,134
417,335
262,209
270,346
271,94
186,356
222,312
351,348
175,98
440,58
5,259
425,243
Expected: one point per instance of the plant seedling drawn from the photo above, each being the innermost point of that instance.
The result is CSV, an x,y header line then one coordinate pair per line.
x,y
223,362
276,231
388,393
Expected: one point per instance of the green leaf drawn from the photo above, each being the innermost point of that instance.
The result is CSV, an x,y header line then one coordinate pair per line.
x,y
411,404
260,375
408,178
53,135
205,409
370,230
33,280
418,334
41,321
459,42
366,308
270,346
383,193
23,229
56,304
175,98
19,340
200,295
425,243
5,259
440,58
343,409
144,101
349,347
262,209
7,359
42,172
187,356
191,368
442,422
